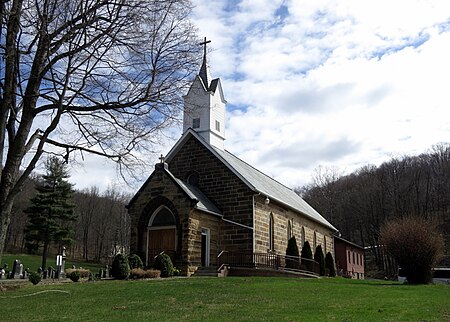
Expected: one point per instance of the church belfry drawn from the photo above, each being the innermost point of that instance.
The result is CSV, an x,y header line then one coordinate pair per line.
x,y
204,106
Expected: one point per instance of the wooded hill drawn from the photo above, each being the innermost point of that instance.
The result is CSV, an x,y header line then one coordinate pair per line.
x,y
100,231
360,203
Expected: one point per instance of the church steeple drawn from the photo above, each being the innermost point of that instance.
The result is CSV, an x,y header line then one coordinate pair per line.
x,y
204,106
204,70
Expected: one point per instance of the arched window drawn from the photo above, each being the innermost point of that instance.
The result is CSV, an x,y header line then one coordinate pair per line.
x,y
314,242
289,230
162,217
303,236
325,244
271,232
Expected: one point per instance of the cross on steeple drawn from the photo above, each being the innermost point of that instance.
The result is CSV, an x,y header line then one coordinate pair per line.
x,y
161,158
203,43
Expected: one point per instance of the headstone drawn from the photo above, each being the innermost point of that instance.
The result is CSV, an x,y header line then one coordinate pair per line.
x,y
63,266
106,272
2,273
20,271
16,269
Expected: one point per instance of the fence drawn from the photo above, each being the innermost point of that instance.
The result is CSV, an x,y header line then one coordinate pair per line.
x,y
267,260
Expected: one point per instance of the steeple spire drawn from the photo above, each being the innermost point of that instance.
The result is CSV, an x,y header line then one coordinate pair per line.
x,y
204,71
205,106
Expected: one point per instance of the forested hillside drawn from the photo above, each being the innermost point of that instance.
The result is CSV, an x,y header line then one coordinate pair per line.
x,y
360,203
100,231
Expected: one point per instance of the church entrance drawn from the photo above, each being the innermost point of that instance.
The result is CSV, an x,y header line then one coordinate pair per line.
x,y
205,247
161,234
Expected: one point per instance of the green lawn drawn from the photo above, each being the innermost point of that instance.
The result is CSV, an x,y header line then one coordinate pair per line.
x,y
228,299
33,262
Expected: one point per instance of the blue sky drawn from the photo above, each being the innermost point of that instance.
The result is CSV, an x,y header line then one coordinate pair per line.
x,y
323,83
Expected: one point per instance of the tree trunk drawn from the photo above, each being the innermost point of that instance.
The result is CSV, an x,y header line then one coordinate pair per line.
x,y
44,256
5,218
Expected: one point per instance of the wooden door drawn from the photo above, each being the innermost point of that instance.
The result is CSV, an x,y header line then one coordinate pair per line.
x,y
161,240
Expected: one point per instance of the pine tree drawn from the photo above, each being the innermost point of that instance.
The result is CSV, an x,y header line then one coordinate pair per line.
x,y
51,210
307,254
292,250
320,258
329,264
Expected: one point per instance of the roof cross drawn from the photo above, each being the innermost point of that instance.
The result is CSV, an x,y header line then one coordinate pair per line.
x,y
203,43
161,158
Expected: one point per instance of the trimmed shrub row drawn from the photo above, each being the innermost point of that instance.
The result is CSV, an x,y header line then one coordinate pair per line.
x,y
138,273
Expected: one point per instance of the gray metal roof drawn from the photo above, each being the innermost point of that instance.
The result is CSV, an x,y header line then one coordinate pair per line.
x,y
203,202
255,179
271,188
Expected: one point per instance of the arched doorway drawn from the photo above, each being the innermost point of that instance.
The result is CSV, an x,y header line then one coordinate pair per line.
x,y
161,234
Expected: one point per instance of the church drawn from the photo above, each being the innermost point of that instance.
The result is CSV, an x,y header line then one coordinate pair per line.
x,y
201,200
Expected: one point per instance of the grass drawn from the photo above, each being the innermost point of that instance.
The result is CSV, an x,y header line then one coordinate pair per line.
x,y
34,261
229,299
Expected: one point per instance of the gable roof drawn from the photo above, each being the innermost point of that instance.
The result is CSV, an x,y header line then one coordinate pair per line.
x,y
193,193
255,179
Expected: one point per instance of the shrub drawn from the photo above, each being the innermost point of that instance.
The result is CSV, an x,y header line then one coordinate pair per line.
x,y
329,265
319,258
176,271
292,250
135,261
120,269
164,264
307,254
34,278
84,273
415,244
137,273
75,276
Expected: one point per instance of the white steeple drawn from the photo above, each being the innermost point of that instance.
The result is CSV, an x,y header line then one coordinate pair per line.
x,y
204,106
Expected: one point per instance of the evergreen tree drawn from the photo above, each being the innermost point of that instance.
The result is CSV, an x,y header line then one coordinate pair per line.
x,y
292,250
307,254
306,251
51,210
320,258
329,265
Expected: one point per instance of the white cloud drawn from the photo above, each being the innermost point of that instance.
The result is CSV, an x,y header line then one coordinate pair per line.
x,y
341,83
335,83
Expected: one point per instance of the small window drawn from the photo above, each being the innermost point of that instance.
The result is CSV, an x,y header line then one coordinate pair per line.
x,y
193,179
271,233
196,123
303,236
217,126
289,230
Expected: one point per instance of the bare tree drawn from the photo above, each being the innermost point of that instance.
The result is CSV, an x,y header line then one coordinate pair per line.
x,y
98,76
86,206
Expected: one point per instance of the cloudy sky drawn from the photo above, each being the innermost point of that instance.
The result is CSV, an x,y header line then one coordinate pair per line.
x,y
324,83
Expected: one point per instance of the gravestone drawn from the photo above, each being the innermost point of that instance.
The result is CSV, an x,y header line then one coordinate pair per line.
x,y
16,269
20,271
2,273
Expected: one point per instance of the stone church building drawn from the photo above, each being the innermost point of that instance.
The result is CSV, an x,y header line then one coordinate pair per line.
x,y
201,199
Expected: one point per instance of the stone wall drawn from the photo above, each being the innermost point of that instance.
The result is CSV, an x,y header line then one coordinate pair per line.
x,y
159,190
192,237
223,188
303,229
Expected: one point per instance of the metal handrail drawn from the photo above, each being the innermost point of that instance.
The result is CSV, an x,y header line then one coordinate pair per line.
x,y
268,260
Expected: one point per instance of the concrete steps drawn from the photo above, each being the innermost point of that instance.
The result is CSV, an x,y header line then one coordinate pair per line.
x,y
206,272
